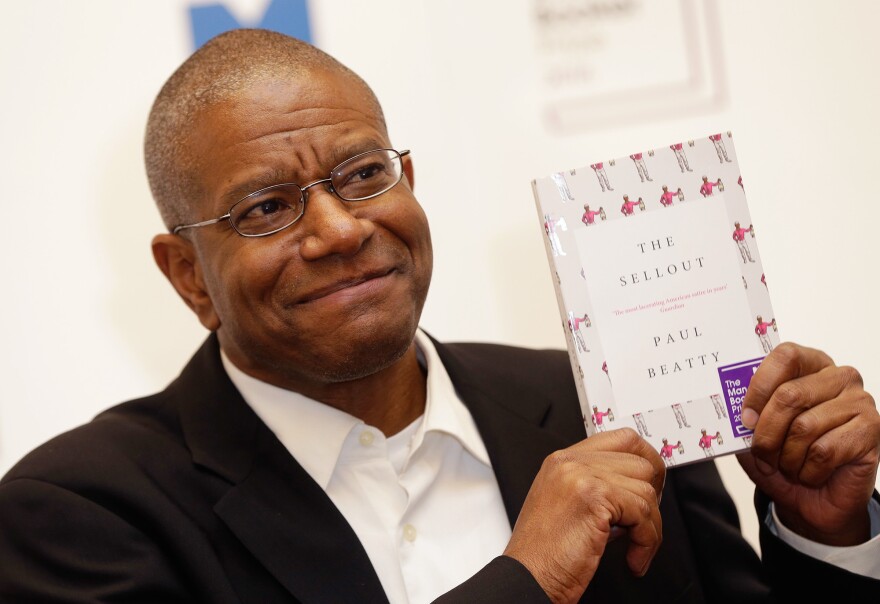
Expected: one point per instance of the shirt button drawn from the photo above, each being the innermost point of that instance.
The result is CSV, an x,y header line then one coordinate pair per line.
x,y
409,532
366,438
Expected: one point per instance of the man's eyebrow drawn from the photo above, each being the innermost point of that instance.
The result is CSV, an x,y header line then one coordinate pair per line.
x,y
340,153
268,178
277,176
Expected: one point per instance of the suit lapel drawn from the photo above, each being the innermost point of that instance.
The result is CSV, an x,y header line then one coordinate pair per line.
x,y
273,506
520,426
509,419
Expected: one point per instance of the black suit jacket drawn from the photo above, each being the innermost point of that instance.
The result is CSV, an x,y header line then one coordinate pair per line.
x,y
186,496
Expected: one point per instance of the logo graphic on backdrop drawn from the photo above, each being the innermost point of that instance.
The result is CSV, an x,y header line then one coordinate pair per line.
x,y
289,17
605,63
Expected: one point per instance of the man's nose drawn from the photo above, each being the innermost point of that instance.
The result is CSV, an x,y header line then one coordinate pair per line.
x,y
330,227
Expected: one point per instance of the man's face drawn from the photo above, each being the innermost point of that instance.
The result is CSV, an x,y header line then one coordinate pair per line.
x,y
336,296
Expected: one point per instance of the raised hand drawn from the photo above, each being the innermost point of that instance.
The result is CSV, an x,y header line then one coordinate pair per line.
x,y
816,444
583,496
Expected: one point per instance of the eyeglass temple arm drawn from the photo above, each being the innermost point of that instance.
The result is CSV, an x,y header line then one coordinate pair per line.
x,y
177,229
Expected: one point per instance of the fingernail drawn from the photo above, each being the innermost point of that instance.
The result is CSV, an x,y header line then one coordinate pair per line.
x,y
749,418
763,467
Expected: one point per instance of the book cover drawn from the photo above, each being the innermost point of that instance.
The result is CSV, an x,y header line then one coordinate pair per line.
x,y
662,294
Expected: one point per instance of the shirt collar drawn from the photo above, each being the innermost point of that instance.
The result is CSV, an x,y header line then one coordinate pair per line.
x,y
444,411
314,433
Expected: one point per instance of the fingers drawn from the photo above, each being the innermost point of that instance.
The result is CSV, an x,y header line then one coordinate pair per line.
x,y
786,362
582,496
627,440
638,510
800,411
632,475
826,437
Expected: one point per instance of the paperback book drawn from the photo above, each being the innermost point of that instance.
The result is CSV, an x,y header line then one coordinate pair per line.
x,y
662,294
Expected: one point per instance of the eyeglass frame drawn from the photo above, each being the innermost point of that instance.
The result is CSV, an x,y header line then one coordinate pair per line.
x,y
302,192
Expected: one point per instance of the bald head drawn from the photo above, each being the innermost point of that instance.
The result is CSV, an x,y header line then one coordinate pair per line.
x,y
221,69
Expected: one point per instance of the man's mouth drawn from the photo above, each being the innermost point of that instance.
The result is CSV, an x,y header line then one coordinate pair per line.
x,y
347,285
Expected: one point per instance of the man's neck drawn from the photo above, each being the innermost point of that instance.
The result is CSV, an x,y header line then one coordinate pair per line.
x,y
390,399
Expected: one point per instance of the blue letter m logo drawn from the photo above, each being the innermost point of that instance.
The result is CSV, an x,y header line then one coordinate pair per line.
x,y
289,17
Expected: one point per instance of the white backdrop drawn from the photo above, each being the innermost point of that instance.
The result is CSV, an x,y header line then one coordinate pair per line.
x,y
86,320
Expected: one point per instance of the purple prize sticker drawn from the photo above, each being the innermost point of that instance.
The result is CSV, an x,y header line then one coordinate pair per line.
x,y
734,384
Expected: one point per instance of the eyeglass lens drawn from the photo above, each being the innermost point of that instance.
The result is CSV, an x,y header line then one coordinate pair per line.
x,y
274,208
367,175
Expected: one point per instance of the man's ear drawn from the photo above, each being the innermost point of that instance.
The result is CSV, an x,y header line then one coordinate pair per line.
x,y
177,260
408,171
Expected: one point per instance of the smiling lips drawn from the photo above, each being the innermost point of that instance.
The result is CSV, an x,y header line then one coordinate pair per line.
x,y
343,284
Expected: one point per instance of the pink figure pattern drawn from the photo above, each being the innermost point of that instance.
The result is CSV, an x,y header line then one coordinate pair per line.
x,y
667,452
599,416
706,188
719,148
628,206
706,442
600,174
678,149
550,225
720,411
667,196
641,426
642,169
574,326
589,216
761,328
562,186
678,412
739,235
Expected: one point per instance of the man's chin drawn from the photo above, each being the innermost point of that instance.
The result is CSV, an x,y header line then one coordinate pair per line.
x,y
362,357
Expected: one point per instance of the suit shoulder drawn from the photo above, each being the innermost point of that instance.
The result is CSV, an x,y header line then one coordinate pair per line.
x,y
120,440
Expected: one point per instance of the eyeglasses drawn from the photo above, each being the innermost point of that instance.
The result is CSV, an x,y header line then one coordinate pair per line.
x,y
275,208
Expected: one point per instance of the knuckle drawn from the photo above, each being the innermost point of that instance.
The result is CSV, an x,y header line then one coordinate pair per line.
x,y
648,493
850,376
819,454
802,426
787,354
628,436
591,490
557,459
641,507
789,395
762,446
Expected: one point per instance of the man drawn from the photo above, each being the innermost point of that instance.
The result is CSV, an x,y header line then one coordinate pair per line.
x,y
667,196
550,226
680,156
707,187
589,217
641,168
705,442
739,235
719,147
599,169
627,209
562,186
761,328
598,418
667,452
574,326
318,448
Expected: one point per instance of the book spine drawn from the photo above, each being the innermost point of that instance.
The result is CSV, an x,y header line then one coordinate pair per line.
x,y
569,340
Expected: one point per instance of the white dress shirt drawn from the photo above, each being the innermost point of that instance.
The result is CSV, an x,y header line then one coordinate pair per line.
x,y
425,503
